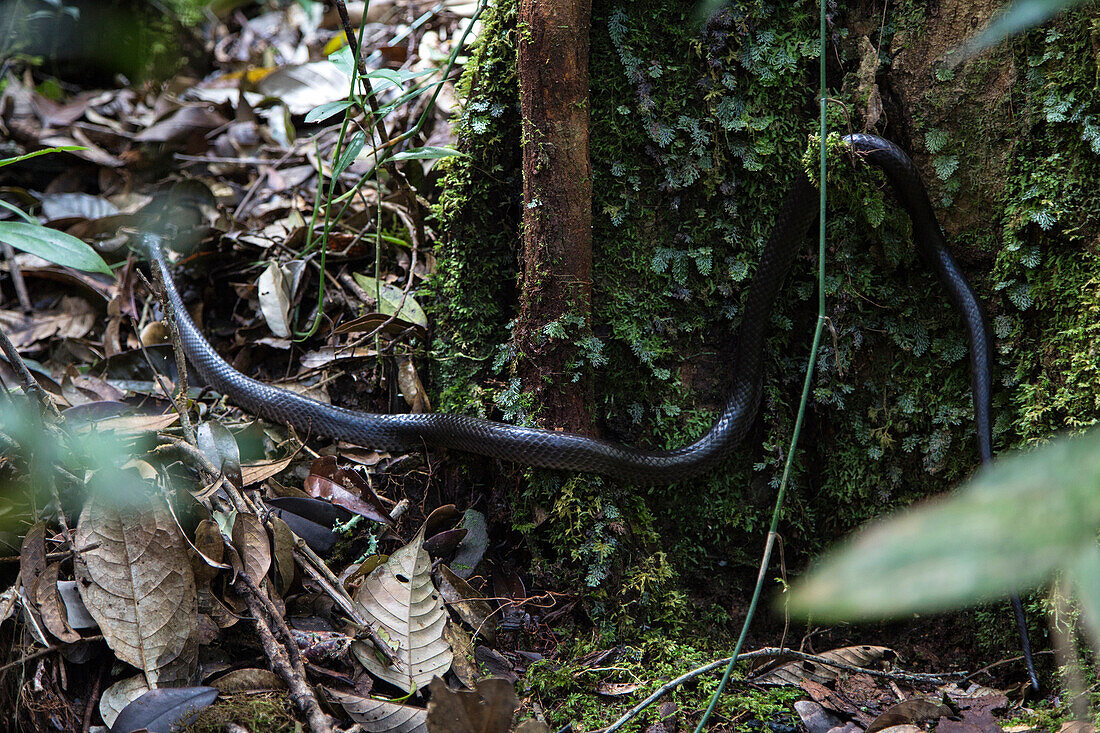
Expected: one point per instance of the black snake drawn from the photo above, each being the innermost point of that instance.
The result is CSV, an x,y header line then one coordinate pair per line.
x,y
572,452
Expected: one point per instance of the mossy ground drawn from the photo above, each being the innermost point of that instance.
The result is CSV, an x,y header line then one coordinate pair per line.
x,y
695,137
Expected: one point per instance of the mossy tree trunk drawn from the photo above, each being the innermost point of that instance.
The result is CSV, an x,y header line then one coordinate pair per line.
x,y
556,298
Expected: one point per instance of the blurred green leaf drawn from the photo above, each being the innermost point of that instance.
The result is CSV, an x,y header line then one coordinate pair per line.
x,y
1007,530
50,244
1020,16
428,152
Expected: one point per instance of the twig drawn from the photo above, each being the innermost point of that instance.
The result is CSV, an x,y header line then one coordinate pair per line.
x,y
17,278
768,652
30,385
180,394
60,555
43,652
295,679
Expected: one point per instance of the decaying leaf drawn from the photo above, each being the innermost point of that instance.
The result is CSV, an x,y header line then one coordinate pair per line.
x,y
393,300
50,606
275,289
254,473
489,709
250,539
470,605
863,655
909,711
411,388
137,582
399,600
382,716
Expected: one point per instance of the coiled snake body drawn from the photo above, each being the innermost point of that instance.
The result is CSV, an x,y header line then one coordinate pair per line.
x,y
572,452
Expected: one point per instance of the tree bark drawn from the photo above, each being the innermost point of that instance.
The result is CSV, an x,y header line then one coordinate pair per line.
x,y
557,214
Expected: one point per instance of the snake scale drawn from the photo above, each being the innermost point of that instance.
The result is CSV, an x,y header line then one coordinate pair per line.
x,y
572,452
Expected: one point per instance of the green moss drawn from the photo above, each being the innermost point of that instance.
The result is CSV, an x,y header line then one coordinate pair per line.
x,y
568,691
695,137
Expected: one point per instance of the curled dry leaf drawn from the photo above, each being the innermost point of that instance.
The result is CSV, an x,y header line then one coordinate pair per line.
x,y
32,555
137,583
382,716
470,605
863,655
50,606
400,602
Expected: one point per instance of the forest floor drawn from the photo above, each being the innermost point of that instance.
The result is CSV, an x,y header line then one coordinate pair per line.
x,y
268,561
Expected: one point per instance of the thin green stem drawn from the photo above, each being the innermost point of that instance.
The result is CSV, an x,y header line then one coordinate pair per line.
x,y
773,528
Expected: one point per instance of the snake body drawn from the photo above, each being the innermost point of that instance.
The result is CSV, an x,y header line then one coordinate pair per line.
x,y
573,452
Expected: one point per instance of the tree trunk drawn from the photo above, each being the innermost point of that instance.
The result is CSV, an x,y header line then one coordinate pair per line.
x,y
555,309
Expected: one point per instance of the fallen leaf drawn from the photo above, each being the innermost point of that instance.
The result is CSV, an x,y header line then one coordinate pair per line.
x,y
909,711
489,709
382,716
857,656
398,598
165,709
137,582
250,539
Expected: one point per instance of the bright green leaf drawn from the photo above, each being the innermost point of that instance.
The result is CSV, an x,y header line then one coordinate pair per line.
x,y
390,299
44,151
428,152
1006,531
1020,16
344,60
326,110
353,148
50,244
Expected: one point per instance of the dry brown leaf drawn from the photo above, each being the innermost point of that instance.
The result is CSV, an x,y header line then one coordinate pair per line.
x,y
32,555
50,606
250,539
283,554
1077,726
863,655
137,583
462,646
131,424
382,716
909,711
411,388
254,473
399,600
489,709
470,605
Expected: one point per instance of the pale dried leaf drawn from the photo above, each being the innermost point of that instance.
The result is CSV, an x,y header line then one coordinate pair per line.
x,y
399,600
137,583
116,697
131,424
411,388
273,289
254,473
382,716
863,655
